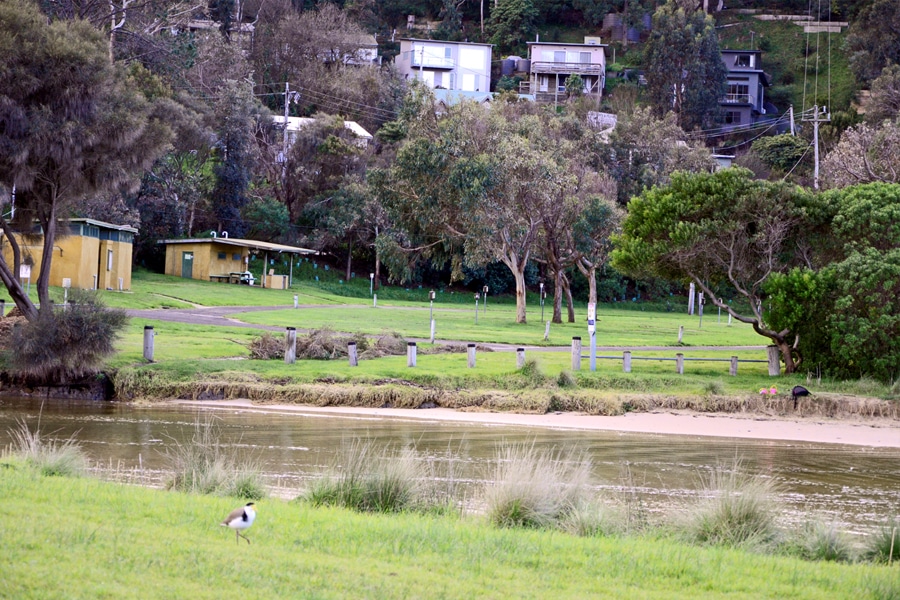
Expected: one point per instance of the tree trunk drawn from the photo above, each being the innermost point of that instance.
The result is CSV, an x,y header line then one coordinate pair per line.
x,y
557,294
349,261
43,280
590,273
519,275
570,303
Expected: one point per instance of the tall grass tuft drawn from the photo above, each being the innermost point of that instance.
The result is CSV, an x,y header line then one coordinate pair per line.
x,y
818,540
884,546
592,518
368,480
736,510
203,465
714,387
534,487
50,457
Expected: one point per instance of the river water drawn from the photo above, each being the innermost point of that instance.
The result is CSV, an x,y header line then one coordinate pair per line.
x,y
856,487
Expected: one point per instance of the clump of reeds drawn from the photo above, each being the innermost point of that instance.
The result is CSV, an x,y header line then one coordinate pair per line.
x,y
367,479
735,509
204,465
714,387
884,545
820,540
49,456
591,518
535,487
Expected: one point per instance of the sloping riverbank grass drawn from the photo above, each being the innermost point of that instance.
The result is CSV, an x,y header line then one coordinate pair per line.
x,y
81,538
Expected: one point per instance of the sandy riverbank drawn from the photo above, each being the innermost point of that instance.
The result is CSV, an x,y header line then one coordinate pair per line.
x,y
869,432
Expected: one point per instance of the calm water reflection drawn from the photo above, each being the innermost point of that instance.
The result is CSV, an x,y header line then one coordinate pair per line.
x,y
856,486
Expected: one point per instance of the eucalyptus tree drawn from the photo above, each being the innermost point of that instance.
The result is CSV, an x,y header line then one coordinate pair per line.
x,y
723,228
685,72
471,187
74,125
865,153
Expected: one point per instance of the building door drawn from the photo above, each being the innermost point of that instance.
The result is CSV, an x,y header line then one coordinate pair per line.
x,y
187,265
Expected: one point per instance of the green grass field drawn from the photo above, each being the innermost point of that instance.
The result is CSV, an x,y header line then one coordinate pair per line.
x,y
81,538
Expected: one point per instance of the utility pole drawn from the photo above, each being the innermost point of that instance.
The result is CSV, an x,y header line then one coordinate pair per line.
x,y
422,63
816,119
284,144
791,109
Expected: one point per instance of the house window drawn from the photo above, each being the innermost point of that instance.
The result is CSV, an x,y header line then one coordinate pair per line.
x,y
738,92
109,260
732,117
585,58
236,256
742,60
221,256
559,57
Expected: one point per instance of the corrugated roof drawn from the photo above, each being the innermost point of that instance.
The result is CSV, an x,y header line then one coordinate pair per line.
x,y
102,224
254,244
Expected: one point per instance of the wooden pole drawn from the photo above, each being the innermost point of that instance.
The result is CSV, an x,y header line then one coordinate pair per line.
x,y
410,354
626,361
148,343
351,354
734,365
471,351
679,363
680,333
774,356
290,346
520,358
576,353
2,308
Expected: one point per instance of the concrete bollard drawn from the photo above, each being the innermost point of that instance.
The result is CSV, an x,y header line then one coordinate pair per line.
x,y
471,350
432,331
547,331
296,301
680,333
148,343
520,358
121,283
374,300
626,361
290,345
576,353
774,356
679,363
2,308
410,354
734,364
351,354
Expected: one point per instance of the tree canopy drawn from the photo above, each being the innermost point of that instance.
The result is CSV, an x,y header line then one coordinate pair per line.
x,y
722,228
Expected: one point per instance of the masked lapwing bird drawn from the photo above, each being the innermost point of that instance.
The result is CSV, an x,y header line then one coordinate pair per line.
x,y
240,519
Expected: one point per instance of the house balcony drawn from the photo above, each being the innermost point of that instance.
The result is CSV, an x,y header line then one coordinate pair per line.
x,y
567,68
738,99
416,60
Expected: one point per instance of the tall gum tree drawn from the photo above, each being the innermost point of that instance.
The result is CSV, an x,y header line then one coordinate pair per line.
x,y
722,228
72,125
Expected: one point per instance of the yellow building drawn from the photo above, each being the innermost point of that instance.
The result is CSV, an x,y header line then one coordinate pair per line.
x,y
90,254
224,259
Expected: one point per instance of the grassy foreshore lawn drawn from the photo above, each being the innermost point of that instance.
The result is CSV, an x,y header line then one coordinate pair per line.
x,y
193,360
82,538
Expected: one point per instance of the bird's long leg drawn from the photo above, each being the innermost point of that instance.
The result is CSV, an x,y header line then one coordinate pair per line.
x,y
243,536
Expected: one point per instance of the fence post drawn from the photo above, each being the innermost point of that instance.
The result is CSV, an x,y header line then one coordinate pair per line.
x,y
296,301
520,358
774,356
290,345
410,354
2,308
679,363
680,333
547,331
626,361
471,351
351,354
576,353
734,365
148,343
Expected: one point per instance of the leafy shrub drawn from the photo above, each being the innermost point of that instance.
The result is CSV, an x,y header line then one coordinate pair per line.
x,y
64,344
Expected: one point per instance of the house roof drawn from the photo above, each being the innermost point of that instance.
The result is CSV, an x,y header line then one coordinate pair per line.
x,y
446,42
566,44
103,224
298,123
452,97
252,244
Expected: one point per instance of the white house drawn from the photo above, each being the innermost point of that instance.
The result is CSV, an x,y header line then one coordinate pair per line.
x,y
462,66
295,124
